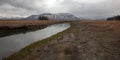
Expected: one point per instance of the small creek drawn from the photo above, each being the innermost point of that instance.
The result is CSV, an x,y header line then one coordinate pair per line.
x,y
14,43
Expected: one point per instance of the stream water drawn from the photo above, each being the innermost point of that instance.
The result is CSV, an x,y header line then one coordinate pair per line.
x,y
14,43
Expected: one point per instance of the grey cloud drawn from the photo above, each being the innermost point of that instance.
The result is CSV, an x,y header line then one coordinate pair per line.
x,y
25,4
98,10
17,7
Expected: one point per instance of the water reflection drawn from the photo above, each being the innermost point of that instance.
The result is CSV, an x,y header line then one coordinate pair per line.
x,y
13,43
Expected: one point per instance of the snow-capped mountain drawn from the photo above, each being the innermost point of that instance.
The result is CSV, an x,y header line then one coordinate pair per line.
x,y
59,16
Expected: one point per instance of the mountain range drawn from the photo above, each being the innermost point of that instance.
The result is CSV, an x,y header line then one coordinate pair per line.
x,y
50,16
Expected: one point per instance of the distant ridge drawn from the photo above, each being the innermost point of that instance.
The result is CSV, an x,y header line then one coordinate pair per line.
x,y
50,16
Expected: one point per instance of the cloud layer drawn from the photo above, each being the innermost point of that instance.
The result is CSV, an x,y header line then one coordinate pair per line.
x,y
94,9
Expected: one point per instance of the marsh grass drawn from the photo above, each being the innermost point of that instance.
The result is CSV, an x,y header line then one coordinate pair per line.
x,y
28,49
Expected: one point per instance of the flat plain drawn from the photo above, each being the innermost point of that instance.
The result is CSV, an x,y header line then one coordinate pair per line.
x,y
85,40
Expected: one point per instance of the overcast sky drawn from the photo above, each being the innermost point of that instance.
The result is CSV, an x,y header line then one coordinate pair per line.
x,y
83,8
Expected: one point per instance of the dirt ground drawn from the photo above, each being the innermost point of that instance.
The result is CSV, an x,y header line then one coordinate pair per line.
x,y
87,40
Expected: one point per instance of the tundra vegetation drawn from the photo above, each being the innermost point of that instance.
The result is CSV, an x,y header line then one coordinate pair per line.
x,y
85,40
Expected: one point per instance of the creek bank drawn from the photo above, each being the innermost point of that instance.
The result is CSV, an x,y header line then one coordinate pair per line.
x,y
85,40
16,42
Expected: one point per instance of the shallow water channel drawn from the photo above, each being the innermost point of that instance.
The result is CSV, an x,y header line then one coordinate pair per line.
x,y
14,43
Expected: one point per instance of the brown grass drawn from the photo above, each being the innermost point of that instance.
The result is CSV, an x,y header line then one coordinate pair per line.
x,y
27,22
87,40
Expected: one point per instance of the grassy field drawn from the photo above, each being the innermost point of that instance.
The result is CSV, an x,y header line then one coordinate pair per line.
x,y
26,22
85,40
